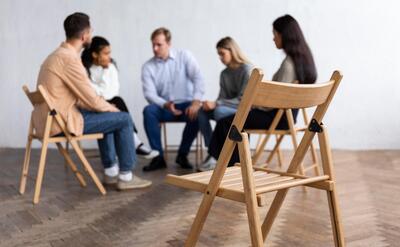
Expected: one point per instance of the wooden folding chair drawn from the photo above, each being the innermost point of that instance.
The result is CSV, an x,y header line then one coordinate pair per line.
x,y
37,98
293,130
198,144
245,182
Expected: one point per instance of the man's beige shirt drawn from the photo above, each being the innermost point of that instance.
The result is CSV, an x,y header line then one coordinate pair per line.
x,y
68,87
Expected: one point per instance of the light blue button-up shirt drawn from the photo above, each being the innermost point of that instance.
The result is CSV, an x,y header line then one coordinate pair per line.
x,y
177,79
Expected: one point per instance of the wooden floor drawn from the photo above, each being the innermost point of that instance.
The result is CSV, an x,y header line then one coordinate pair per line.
x,y
368,184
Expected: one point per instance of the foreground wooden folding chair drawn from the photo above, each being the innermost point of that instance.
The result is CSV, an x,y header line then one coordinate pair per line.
x,y
37,98
293,130
246,183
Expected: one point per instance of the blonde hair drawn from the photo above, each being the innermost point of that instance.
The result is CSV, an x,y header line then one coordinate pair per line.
x,y
237,54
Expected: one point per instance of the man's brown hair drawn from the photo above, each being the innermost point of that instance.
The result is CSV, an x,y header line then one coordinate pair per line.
x,y
162,30
75,24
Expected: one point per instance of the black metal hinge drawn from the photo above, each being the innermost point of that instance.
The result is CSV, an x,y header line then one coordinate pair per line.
x,y
53,112
314,126
234,134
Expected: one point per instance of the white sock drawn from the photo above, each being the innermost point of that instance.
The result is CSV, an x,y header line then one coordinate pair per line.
x,y
125,176
136,140
213,161
112,171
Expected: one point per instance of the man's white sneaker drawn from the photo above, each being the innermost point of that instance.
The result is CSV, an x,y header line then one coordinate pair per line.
x,y
208,164
134,183
145,152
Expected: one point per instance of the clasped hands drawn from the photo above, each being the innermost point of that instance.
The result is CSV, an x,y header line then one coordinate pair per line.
x,y
191,111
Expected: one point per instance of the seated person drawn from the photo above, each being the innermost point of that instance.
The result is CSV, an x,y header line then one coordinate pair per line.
x,y
174,88
103,74
69,89
233,81
298,65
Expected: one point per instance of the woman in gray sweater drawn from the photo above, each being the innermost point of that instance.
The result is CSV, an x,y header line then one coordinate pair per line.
x,y
233,81
298,65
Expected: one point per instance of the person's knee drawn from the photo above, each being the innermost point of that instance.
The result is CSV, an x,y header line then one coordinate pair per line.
x,y
150,110
126,118
222,112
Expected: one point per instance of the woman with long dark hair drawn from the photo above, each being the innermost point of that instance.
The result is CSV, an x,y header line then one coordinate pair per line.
x,y
103,74
298,65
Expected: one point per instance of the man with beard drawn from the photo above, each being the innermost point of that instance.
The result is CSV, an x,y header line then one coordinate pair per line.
x,y
65,79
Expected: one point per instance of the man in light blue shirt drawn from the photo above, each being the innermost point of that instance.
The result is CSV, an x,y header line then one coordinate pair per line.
x,y
174,88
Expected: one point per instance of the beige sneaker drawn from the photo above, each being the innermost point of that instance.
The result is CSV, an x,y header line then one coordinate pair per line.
x,y
135,183
107,180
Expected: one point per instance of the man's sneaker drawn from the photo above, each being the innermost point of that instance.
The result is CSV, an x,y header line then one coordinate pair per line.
x,y
156,163
134,183
145,152
208,164
183,162
107,180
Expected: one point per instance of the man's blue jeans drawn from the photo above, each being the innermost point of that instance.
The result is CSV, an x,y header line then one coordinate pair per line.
x,y
154,115
117,128
204,118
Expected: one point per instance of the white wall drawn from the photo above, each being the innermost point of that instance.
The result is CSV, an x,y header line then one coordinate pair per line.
x,y
358,37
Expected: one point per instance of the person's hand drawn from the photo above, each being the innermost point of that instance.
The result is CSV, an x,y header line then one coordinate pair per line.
x,y
209,105
193,109
114,109
170,106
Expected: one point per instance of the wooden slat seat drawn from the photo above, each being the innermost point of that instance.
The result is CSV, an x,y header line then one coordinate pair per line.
x,y
56,139
264,181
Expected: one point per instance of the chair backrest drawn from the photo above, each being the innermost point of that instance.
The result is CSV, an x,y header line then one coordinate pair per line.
x,y
281,95
289,95
285,95
35,98
40,97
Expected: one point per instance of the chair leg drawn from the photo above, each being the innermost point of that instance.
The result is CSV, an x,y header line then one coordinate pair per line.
x,y
201,147
314,160
276,149
40,173
260,137
280,158
293,133
260,148
88,167
249,192
210,193
335,218
273,212
197,151
164,130
71,164
25,167
67,149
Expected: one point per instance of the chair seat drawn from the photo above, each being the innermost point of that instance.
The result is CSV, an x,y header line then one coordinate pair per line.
x,y
77,138
232,185
275,132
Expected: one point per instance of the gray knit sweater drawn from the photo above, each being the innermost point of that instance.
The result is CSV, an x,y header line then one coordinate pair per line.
x,y
287,71
232,84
